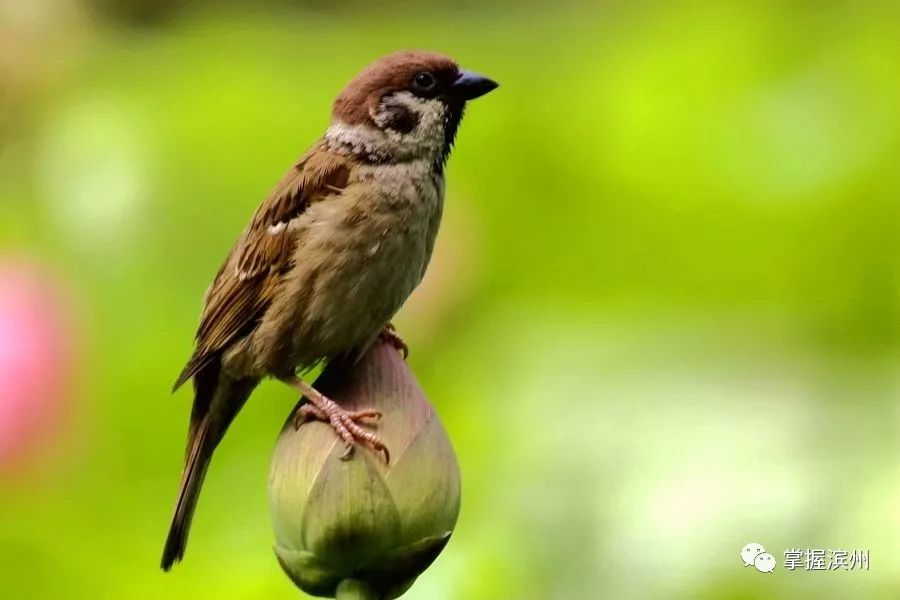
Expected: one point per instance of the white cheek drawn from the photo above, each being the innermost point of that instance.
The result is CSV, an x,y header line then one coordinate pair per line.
x,y
425,142
429,133
432,119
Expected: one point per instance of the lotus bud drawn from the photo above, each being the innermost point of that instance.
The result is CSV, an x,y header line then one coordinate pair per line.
x,y
362,528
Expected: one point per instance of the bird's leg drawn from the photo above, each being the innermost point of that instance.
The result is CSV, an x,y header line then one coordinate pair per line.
x,y
344,422
389,334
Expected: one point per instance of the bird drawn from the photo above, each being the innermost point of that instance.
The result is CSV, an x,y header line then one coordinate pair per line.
x,y
328,259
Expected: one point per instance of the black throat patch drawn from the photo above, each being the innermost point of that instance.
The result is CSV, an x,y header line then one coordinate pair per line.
x,y
452,118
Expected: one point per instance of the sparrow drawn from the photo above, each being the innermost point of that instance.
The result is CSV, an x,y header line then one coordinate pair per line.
x,y
328,259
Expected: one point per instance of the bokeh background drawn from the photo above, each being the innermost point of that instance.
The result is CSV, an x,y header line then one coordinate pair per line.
x,y
663,318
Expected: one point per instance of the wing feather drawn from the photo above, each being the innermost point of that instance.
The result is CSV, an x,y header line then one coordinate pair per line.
x,y
250,277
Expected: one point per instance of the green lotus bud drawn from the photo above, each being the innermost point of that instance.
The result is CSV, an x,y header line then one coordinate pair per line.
x,y
362,528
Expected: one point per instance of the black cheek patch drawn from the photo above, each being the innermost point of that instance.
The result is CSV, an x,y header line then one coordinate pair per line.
x,y
399,118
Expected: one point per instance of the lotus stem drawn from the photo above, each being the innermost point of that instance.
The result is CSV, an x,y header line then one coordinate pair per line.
x,y
353,589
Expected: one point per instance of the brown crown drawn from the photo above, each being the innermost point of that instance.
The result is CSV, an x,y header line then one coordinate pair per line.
x,y
387,74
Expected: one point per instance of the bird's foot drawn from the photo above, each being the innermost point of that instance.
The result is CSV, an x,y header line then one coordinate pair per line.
x,y
344,422
389,334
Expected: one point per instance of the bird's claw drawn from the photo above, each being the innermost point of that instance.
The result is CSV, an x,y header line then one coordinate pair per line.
x,y
389,334
345,424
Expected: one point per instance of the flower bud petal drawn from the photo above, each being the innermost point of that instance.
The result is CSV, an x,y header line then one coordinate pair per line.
x,y
361,523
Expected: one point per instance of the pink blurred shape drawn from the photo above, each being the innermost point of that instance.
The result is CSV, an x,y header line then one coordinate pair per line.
x,y
35,359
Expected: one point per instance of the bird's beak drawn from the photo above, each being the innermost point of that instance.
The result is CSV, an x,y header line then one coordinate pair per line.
x,y
469,85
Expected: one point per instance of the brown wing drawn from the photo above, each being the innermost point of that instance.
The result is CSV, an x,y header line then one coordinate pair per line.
x,y
247,282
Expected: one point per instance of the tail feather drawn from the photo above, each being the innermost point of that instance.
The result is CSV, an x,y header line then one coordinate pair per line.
x,y
191,480
217,401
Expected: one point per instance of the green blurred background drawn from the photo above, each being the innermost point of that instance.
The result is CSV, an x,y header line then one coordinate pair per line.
x,y
662,321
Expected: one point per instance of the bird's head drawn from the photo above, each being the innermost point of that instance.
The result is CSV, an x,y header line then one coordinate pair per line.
x,y
405,106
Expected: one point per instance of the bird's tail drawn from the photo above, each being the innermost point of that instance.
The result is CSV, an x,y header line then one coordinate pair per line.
x,y
217,400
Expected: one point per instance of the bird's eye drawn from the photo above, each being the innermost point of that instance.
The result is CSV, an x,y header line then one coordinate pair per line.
x,y
424,82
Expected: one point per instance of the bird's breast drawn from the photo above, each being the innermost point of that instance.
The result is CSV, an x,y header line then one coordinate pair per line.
x,y
360,257
396,238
